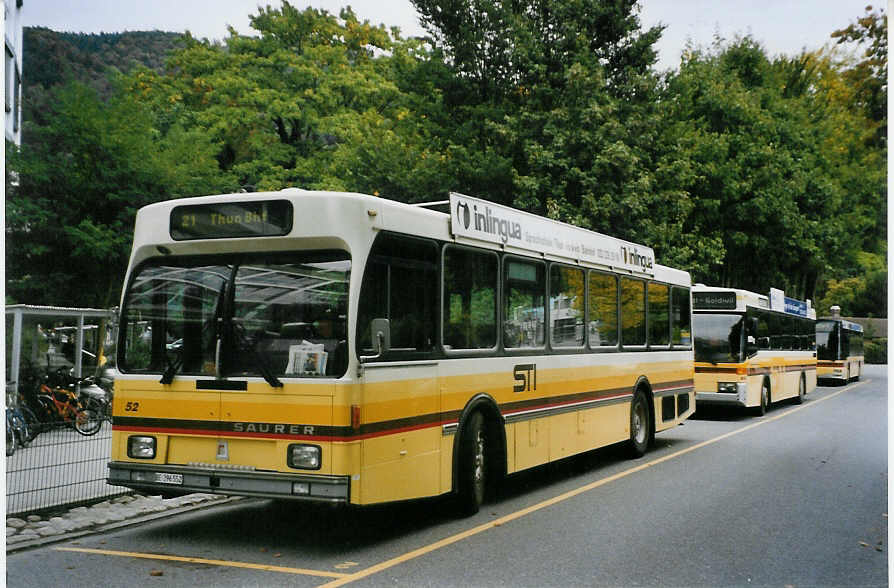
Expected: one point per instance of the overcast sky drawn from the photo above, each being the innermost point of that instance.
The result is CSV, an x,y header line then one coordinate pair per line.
x,y
782,26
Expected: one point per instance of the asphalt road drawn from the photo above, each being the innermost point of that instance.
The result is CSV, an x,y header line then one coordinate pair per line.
x,y
795,498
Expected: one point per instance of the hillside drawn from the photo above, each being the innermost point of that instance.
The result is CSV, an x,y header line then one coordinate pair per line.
x,y
51,58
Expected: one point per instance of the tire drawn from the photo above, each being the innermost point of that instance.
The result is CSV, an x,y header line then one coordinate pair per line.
x,y
32,422
48,414
761,409
640,425
802,390
20,429
88,421
473,464
10,439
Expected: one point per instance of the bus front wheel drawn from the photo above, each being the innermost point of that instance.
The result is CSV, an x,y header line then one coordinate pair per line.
x,y
640,425
473,455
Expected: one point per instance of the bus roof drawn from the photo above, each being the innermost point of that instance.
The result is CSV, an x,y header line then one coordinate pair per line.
x,y
716,298
342,219
845,324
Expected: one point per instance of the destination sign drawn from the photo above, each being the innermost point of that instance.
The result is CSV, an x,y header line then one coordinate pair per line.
x,y
220,220
714,300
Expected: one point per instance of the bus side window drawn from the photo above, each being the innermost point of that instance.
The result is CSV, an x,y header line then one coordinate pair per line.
x,y
469,299
681,318
401,284
763,331
566,306
633,312
659,317
524,303
603,310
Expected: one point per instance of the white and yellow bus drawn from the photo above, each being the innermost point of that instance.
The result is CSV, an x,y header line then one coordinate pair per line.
x,y
750,349
839,348
345,348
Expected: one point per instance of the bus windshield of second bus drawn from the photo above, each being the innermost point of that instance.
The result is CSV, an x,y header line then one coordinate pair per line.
x,y
826,340
719,338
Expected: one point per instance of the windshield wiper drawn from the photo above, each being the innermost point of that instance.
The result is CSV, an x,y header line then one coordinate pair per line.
x,y
259,360
172,368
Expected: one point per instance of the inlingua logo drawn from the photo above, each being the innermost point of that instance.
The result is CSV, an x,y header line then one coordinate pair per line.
x,y
634,257
463,214
490,223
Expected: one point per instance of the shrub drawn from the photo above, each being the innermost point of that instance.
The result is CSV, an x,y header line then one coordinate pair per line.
x,y
876,351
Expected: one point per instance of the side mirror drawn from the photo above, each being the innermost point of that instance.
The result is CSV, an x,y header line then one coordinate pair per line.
x,y
380,332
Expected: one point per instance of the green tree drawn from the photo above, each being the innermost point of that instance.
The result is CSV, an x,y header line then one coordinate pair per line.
x,y
506,47
72,194
773,156
869,75
311,103
560,93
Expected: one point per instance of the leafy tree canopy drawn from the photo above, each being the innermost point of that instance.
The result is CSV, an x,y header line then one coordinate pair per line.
x,y
746,170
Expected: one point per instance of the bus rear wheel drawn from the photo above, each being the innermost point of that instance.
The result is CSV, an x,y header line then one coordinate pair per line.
x,y
473,464
802,390
761,409
640,425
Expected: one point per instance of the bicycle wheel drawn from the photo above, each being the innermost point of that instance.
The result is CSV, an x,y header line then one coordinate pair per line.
x,y
10,439
20,428
32,422
88,421
48,415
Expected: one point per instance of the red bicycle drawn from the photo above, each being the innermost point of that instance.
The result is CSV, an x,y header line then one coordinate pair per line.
x,y
61,405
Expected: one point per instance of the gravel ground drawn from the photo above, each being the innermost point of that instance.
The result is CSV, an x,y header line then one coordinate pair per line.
x,y
34,530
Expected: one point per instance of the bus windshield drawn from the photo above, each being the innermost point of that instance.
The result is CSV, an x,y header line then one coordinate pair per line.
x,y
282,315
718,337
826,340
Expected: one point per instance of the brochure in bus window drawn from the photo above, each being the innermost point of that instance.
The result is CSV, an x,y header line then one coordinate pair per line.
x,y
306,358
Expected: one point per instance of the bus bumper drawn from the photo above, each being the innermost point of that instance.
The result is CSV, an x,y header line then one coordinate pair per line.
x,y
170,480
739,397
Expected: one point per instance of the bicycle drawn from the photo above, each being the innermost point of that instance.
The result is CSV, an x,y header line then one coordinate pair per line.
x,y
61,405
18,433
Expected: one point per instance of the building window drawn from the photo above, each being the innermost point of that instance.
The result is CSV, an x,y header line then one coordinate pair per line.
x,y
17,100
10,81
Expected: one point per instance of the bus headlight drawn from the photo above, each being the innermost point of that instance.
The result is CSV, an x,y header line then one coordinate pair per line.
x,y
141,447
305,457
727,387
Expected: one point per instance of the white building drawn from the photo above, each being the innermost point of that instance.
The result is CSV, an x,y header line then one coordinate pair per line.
x,y
12,14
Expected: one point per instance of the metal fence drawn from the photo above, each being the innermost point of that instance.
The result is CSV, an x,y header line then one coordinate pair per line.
x,y
60,468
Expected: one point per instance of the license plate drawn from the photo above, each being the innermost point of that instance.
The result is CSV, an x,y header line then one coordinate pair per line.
x,y
166,478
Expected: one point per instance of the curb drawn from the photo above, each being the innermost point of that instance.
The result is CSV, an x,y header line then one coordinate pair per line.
x,y
138,520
